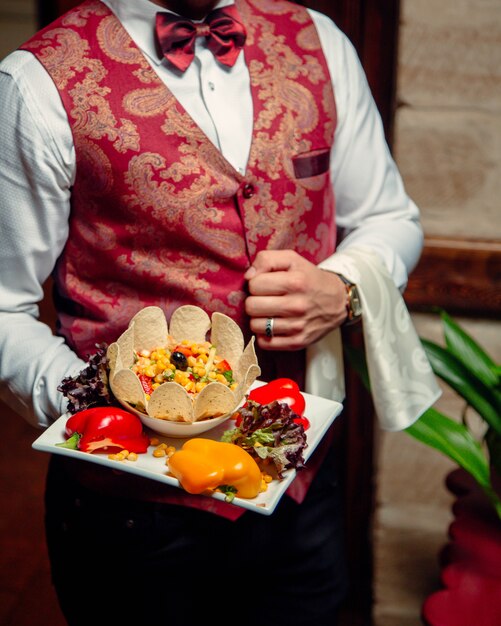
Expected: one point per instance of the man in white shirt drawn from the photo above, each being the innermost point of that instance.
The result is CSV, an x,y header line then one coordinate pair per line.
x,y
292,302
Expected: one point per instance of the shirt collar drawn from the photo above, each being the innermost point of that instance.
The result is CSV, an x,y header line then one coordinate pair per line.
x,y
138,19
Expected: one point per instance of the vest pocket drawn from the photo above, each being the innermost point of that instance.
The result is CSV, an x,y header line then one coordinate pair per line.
x,y
312,163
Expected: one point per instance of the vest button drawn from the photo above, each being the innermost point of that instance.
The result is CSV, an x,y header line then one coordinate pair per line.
x,y
248,191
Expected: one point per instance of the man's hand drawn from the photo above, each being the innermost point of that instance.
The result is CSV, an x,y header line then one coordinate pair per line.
x,y
305,302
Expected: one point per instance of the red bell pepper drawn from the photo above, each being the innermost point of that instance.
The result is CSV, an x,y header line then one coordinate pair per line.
x,y
223,366
186,350
104,428
146,384
284,390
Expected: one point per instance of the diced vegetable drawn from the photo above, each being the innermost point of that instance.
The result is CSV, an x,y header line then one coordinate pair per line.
x,y
190,364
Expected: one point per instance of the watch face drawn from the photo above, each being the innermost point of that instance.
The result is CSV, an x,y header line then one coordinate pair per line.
x,y
355,304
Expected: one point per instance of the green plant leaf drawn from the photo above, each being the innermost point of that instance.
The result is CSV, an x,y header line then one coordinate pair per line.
x,y
469,352
443,434
478,395
454,440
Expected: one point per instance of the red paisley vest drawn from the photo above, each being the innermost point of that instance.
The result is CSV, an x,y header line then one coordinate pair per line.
x,y
158,216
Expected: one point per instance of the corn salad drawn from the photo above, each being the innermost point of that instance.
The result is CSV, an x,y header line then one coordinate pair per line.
x,y
192,365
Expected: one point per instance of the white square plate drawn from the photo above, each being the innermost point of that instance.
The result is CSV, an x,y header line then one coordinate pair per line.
x,y
319,411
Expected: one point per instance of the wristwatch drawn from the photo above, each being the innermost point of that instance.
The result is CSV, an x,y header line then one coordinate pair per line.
x,y
353,304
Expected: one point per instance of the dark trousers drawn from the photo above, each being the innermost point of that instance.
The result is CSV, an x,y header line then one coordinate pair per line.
x,y
147,563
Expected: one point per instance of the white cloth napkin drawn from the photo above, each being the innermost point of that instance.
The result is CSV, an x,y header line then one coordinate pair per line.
x,y
403,385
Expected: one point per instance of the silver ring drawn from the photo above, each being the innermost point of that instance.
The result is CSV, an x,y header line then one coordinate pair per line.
x,y
269,327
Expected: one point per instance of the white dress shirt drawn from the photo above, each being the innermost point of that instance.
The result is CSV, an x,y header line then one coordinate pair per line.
x,y
37,170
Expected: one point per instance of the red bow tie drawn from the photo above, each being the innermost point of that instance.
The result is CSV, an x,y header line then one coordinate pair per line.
x,y
223,29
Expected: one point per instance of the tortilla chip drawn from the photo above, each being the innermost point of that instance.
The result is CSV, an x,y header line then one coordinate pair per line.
x,y
112,354
125,355
246,359
251,375
149,328
189,322
171,402
214,400
127,387
227,337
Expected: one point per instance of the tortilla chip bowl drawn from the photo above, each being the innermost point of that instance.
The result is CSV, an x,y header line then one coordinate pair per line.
x,y
173,408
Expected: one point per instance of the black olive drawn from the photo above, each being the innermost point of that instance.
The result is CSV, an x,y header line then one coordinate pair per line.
x,y
179,360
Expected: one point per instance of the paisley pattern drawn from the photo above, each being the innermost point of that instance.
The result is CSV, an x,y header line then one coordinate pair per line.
x,y
118,46
159,216
63,53
148,102
79,18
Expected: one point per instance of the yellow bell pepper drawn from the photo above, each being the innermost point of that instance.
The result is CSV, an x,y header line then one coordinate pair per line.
x,y
203,464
